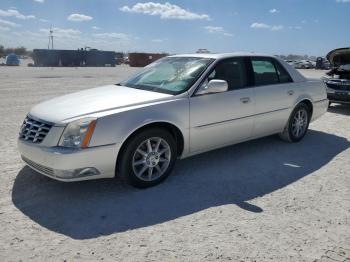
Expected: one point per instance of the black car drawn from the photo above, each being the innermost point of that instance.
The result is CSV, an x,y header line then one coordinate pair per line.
x,y
338,79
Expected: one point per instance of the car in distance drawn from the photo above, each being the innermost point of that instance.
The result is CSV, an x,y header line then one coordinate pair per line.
x,y
176,107
338,78
304,64
12,60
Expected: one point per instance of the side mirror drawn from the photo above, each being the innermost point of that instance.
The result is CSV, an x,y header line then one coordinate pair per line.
x,y
214,86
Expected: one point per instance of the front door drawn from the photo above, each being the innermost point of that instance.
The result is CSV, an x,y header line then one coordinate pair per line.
x,y
223,118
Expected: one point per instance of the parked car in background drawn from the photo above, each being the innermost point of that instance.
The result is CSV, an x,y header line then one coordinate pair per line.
x,y
176,107
12,60
322,63
338,79
304,64
291,62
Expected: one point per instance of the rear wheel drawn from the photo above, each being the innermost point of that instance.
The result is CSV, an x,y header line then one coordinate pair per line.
x,y
148,158
298,124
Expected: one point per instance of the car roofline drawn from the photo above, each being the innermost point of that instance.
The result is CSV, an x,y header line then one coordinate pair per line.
x,y
222,55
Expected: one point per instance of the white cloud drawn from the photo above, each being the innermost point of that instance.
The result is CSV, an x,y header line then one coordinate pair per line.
x,y
165,11
62,32
274,10
214,29
79,17
157,40
43,20
113,35
39,1
276,27
15,13
217,29
8,23
95,28
343,1
228,34
266,26
259,26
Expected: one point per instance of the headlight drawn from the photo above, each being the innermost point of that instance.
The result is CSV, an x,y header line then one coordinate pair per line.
x,y
77,134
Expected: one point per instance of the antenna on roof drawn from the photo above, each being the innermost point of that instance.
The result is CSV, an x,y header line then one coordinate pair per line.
x,y
50,38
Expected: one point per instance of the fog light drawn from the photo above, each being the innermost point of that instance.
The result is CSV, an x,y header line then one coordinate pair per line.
x,y
75,173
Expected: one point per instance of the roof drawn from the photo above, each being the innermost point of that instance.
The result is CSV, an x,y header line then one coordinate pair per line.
x,y
221,55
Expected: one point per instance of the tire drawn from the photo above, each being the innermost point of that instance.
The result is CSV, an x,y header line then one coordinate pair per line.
x,y
295,121
143,165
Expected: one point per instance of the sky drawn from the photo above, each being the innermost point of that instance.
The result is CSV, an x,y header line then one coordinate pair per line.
x,y
311,27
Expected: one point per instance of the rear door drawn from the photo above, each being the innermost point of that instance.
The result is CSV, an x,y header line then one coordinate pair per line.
x,y
274,95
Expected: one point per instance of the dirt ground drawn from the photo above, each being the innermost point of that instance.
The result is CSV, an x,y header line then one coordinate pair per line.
x,y
264,200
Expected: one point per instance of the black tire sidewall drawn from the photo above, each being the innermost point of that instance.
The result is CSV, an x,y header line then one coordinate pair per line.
x,y
292,137
126,170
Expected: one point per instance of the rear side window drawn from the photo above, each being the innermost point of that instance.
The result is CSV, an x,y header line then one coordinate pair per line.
x,y
283,75
264,71
233,71
268,71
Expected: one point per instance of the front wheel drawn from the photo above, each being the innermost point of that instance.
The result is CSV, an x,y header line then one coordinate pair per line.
x,y
148,158
297,125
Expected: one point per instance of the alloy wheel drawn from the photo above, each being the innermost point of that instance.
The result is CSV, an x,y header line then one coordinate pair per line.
x,y
299,123
151,159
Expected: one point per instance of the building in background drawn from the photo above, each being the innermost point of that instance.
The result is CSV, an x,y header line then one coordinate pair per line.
x,y
80,57
143,59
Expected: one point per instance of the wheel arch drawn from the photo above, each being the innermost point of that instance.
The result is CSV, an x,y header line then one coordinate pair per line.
x,y
172,128
308,103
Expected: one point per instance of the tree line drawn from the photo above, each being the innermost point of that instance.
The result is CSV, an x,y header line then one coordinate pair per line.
x,y
21,51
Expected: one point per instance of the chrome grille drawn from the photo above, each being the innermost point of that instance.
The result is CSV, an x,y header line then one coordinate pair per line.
x,y
46,170
34,130
339,85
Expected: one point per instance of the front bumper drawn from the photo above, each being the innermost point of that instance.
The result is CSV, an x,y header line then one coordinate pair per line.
x,y
338,91
339,97
67,164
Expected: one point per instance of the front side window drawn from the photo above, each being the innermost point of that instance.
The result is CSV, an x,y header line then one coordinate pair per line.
x,y
232,70
170,75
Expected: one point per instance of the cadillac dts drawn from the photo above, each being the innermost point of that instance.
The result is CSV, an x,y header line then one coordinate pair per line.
x,y
174,108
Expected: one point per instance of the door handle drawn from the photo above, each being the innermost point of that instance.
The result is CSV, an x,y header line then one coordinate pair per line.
x,y
290,92
245,100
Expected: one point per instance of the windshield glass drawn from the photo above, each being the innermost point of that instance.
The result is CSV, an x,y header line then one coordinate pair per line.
x,y
171,75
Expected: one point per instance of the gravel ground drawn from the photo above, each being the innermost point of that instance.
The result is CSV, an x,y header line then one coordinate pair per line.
x,y
264,200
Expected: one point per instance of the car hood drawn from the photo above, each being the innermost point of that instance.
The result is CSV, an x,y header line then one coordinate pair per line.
x,y
90,101
338,57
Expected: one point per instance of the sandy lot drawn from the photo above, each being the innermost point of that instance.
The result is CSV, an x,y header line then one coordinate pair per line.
x,y
264,200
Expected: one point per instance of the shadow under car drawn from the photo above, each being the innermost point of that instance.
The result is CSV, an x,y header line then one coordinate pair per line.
x,y
232,175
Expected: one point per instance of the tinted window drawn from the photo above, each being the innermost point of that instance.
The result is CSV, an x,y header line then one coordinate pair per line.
x,y
264,71
283,75
231,70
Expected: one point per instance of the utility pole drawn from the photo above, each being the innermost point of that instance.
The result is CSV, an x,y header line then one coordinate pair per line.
x,y
50,38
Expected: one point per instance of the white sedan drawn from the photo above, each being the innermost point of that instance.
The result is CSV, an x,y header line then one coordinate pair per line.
x,y
176,107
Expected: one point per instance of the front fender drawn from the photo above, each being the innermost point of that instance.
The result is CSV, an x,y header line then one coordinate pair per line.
x,y
116,128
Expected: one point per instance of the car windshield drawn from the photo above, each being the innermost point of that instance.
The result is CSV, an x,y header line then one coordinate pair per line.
x,y
170,75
